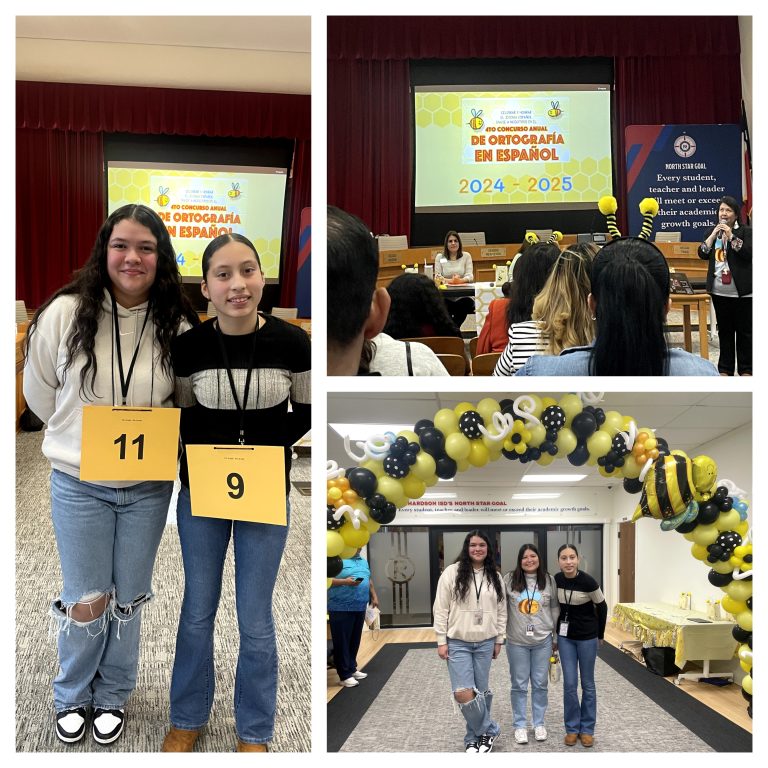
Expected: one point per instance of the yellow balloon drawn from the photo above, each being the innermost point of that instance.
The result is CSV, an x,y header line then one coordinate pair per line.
x,y
462,465
738,590
328,583
424,467
547,401
721,567
377,467
348,552
545,459
538,434
599,444
409,435
740,551
732,606
571,404
604,473
727,521
745,653
538,406
334,494
746,666
447,421
372,525
746,684
393,490
699,552
566,442
486,408
413,487
493,446
689,537
705,534
631,468
354,537
478,454
744,620
334,543
431,480
613,423
742,528
457,446
461,407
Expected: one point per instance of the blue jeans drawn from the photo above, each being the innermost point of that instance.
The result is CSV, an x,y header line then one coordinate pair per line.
x,y
577,658
469,666
529,662
107,540
258,549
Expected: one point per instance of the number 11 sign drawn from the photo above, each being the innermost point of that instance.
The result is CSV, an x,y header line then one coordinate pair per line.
x,y
238,482
129,443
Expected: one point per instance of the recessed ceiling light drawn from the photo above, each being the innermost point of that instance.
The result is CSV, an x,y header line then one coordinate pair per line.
x,y
439,496
552,478
366,431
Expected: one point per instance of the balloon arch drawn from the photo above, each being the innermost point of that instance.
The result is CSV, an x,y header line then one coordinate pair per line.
x,y
683,493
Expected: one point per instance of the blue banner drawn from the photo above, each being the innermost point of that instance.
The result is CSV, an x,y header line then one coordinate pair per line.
x,y
687,168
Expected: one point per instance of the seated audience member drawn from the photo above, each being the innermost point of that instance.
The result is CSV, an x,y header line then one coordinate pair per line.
x,y
529,276
417,309
390,357
630,301
357,309
493,334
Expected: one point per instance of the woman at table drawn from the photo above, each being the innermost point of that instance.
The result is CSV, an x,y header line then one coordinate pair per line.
x,y
453,266
728,248
580,630
524,339
237,376
629,302
470,613
104,339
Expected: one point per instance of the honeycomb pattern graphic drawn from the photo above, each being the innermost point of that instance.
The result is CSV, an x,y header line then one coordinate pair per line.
x,y
136,185
591,178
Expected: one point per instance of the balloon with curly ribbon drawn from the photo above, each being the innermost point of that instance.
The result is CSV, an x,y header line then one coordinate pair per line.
x,y
682,492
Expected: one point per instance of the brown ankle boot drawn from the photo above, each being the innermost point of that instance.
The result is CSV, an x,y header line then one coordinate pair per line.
x,y
179,740
243,746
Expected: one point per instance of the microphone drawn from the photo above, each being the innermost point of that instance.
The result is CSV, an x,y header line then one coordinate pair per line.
x,y
723,221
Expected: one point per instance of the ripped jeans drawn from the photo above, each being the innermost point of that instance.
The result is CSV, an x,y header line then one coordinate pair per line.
x,y
107,540
469,666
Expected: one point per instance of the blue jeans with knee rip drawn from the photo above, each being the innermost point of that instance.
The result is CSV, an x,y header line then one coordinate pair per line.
x,y
258,548
469,666
107,540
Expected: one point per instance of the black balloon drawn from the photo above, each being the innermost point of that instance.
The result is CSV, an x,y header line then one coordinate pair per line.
x,y
334,566
432,441
749,602
632,485
687,527
362,481
584,425
726,504
445,468
422,425
579,455
376,501
719,579
534,453
721,493
708,513
511,455
384,515
333,524
396,467
741,635
470,423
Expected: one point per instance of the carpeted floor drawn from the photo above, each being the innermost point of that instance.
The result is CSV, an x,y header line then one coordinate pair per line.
x,y
405,705
38,581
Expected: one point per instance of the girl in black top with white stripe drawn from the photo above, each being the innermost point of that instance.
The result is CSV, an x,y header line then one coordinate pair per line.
x,y
580,629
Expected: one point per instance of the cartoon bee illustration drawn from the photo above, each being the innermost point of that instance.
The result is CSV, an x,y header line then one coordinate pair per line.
x,y
674,486
162,198
476,123
235,192
555,111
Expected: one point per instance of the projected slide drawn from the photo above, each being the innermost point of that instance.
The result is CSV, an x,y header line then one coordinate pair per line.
x,y
525,149
198,203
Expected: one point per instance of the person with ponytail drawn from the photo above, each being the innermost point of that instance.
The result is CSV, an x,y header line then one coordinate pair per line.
x,y
470,623
629,302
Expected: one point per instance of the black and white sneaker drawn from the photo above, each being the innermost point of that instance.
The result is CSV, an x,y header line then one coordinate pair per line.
x,y
486,742
107,725
473,746
70,725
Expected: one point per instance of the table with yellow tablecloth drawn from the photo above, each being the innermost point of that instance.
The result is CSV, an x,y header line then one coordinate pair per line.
x,y
660,624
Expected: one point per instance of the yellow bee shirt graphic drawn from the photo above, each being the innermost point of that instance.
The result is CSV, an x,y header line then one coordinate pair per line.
x,y
529,603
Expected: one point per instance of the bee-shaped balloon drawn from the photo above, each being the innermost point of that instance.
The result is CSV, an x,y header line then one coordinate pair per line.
x,y
555,111
162,198
235,192
476,123
671,486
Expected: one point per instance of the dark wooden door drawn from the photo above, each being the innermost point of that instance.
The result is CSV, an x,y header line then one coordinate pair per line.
x,y
626,562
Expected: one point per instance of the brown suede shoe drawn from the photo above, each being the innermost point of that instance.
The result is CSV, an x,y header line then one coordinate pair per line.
x,y
570,739
587,739
242,746
179,740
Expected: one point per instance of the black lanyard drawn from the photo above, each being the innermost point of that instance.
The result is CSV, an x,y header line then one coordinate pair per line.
x,y
478,589
240,408
529,597
568,601
125,382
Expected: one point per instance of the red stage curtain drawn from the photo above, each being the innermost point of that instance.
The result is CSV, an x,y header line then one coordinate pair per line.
x,y
667,69
59,160
300,199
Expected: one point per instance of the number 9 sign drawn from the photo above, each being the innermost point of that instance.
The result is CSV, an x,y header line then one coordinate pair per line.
x,y
238,482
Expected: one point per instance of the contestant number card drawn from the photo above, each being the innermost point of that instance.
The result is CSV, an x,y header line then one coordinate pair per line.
x,y
129,443
238,482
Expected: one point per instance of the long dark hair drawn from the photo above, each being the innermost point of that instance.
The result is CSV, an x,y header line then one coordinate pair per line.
x,y
518,575
220,242
630,286
416,303
446,254
169,304
529,275
465,571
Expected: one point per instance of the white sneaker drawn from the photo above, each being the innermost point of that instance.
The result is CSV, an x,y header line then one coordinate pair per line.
x,y
360,675
521,736
350,682
540,733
